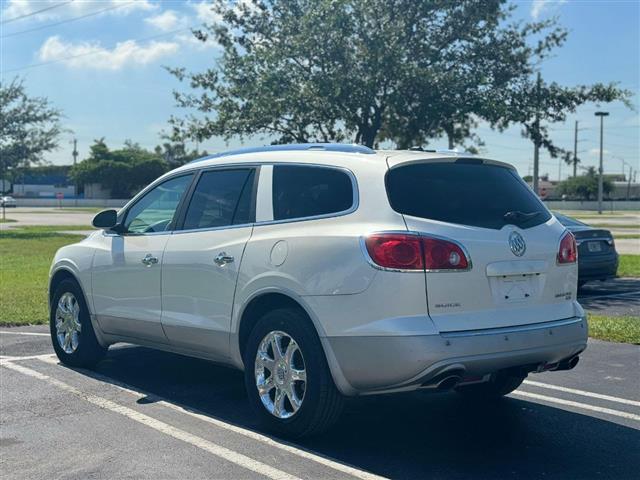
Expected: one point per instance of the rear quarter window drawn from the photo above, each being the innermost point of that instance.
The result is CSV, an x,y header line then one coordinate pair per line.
x,y
308,191
473,194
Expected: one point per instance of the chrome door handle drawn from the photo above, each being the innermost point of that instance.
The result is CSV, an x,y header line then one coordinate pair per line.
x,y
149,260
222,259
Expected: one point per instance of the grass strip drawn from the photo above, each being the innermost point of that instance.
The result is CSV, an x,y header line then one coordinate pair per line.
x,y
624,329
629,266
25,258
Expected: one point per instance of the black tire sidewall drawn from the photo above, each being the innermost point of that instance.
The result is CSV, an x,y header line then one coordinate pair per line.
x,y
296,325
89,351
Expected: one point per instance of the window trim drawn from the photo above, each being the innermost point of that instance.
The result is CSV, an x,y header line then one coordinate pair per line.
x,y
179,224
122,215
355,202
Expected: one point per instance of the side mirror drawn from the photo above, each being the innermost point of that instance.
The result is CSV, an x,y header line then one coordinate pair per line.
x,y
106,219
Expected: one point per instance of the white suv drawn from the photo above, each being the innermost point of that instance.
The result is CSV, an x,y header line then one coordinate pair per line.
x,y
326,271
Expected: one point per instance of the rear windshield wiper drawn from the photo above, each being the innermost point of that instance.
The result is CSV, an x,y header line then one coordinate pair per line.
x,y
519,217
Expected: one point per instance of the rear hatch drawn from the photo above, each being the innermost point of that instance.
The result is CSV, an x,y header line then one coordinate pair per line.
x,y
510,238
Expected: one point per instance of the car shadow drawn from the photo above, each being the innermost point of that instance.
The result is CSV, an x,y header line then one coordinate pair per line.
x,y
405,436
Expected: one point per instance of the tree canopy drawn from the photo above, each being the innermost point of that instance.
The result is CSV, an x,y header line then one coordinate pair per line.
x,y
177,154
122,171
29,127
367,71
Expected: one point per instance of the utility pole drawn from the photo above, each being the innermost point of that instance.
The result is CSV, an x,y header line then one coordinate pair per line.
x,y
600,170
536,137
575,149
75,151
75,160
629,184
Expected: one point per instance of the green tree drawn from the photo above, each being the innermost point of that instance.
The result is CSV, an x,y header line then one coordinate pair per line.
x,y
358,70
585,187
29,127
122,171
176,154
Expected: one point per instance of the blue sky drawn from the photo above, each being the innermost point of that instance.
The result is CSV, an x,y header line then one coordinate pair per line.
x,y
105,71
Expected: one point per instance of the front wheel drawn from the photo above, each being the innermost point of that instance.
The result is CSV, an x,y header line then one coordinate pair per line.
x,y
74,340
500,384
287,377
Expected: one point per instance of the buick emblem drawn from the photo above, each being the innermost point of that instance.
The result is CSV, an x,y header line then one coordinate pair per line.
x,y
517,244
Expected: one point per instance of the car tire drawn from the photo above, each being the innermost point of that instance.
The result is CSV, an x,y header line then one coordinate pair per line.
x,y
500,384
319,403
76,346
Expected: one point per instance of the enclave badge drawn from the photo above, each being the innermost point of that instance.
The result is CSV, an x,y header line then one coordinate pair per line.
x,y
517,244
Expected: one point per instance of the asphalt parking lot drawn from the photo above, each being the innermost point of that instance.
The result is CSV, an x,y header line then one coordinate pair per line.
x,y
619,296
149,414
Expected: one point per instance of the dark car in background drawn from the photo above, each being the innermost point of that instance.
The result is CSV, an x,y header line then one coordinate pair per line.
x,y
597,256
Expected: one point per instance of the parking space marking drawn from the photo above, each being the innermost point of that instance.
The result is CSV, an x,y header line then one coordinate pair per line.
x,y
28,334
210,447
583,393
583,406
340,467
8,358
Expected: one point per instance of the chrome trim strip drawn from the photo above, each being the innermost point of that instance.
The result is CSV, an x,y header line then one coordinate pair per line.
x,y
515,329
212,229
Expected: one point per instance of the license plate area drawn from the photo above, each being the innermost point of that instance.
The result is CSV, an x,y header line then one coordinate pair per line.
x,y
516,288
594,247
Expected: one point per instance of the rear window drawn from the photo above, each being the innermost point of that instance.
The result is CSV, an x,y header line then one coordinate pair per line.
x,y
472,194
301,191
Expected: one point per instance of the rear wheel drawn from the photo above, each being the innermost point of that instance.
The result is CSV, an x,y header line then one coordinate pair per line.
x,y
500,384
74,340
287,377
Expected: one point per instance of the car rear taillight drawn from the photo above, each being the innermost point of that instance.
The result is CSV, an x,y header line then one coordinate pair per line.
x,y
395,251
407,251
440,254
568,251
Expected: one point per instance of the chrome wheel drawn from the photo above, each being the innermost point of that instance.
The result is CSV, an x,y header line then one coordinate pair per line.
x,y
68,322
280,374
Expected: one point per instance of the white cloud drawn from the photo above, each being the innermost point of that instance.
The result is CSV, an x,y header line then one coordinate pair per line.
x,y
167,20
95,56
17,8
539,6
204,12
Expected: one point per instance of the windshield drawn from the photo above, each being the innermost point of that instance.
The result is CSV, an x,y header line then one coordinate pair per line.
x,y
475,194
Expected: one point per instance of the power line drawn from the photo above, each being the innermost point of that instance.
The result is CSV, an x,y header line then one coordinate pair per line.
x,y
91,52
58,5
68,20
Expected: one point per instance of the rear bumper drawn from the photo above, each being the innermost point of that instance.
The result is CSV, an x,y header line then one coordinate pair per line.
x,y
381,364
594,268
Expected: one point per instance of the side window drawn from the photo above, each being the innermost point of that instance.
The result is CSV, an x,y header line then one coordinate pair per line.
x,y
301,191
221,198
155,210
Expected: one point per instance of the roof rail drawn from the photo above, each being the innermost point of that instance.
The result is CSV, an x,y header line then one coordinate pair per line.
x,y
323,147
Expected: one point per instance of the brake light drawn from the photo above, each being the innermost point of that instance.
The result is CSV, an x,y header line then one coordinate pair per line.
x,y
568,251
406,251
440,254
395,251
